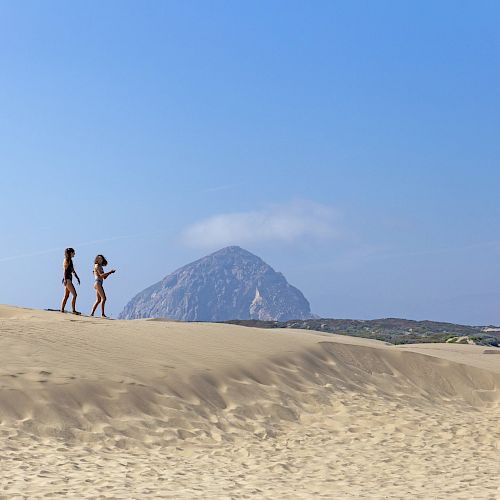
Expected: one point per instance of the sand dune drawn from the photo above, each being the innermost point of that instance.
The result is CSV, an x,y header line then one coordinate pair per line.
x,y
91,408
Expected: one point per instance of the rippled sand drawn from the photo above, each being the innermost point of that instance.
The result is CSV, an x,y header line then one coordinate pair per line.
x,y
91,408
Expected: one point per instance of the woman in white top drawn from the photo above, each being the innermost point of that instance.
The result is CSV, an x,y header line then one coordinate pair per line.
x,y
99,275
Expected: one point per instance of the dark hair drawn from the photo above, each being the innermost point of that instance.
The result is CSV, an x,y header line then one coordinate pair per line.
x,y
68,252
104,261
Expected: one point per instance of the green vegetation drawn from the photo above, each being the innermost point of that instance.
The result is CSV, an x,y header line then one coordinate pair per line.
x,y
392,330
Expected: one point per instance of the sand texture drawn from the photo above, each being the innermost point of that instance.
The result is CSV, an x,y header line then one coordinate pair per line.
x,y
91,408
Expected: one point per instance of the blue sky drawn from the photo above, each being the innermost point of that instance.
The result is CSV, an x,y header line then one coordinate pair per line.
x,y
352,145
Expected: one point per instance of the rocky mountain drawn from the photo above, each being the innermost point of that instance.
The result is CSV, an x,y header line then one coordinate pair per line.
x,y
229,284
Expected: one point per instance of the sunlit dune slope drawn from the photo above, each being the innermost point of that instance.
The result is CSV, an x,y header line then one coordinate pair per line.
x,y
71,383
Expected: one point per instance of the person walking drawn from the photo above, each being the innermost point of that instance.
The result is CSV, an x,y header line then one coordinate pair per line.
x,y
99,263
67,280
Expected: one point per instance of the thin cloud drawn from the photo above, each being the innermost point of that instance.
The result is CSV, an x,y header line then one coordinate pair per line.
x,y
495,245
58,249
368,253
284,223
217,189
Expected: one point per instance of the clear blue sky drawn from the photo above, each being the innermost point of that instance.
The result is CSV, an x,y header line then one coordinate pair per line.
x,y
352,145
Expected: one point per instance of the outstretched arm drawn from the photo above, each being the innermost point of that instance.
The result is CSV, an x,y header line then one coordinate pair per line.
x,y
105,275
102,275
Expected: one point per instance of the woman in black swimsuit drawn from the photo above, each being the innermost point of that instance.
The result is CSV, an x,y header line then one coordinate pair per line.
x,y
69,271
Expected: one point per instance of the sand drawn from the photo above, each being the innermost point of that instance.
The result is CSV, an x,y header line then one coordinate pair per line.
x,y
91,408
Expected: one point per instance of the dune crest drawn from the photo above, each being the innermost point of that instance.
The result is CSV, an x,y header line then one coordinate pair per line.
x,y
226,405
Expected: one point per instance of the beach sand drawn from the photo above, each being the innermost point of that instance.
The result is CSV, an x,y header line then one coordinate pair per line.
x,y
91,408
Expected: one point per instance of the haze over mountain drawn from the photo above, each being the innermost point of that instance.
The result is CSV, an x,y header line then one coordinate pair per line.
x,y
231,283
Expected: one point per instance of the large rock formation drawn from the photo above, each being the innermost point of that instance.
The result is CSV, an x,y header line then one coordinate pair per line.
x,y
229,284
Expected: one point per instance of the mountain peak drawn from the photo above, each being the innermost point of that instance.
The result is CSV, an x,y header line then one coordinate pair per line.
x,y
233,250
231,283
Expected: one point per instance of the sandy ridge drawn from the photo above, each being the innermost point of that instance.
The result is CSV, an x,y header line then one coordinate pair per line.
x,y
221,404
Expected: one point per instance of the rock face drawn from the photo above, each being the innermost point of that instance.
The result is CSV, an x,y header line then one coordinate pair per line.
x,y
229,284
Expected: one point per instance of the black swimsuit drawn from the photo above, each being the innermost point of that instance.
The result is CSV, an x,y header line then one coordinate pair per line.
x,y
68,272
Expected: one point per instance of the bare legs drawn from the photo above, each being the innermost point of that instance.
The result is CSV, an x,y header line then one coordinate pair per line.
x,y
69,289
100,299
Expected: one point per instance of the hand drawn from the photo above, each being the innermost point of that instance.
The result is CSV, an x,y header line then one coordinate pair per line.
x,y
113,271
78,279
